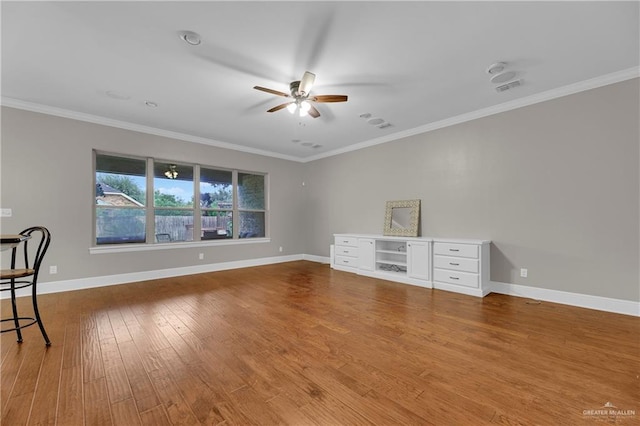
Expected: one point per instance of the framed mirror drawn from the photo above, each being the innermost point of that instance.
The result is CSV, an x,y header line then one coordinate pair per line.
x,y
402,218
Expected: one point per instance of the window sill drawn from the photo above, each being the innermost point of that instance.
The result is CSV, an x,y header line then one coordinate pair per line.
x,y
124,248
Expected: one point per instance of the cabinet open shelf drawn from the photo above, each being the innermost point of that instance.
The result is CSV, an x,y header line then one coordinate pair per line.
x,y
391,262
391,257
392,268
392,252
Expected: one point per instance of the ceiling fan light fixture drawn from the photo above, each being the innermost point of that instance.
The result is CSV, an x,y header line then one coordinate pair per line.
x,y
300,100
171,172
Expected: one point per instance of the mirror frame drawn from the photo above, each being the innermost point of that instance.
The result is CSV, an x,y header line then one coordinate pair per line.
x,y
414,219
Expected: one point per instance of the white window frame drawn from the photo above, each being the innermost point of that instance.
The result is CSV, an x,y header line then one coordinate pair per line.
x,y
150,208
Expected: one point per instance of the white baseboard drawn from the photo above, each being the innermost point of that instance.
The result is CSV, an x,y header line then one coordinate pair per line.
x,y
460,289
318,259
91,282
626,307
618,306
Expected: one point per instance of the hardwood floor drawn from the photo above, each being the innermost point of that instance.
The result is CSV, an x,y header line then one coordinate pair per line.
x,y
298,343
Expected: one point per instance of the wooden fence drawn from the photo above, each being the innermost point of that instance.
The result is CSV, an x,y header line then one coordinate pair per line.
x,y
131,228
180,228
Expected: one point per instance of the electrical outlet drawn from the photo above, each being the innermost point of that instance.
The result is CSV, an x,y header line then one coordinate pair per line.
x,y
523,272
6,213
280,249
53,269
200,256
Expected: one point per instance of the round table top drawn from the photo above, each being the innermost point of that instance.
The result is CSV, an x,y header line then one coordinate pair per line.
x,y
11,240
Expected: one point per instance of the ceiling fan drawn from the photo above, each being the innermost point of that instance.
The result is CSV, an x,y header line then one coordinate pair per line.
x,y
301,98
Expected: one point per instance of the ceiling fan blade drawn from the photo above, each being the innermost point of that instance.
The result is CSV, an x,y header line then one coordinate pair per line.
x,y
273,92
306,83
329,98
313,112
279,107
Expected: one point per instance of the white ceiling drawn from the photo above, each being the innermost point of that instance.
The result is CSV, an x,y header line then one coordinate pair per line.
x,y
418,65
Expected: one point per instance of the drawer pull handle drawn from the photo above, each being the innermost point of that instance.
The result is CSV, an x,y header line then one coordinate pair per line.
x,y
346,261
345,241
454,278
454,250
454,264
346,252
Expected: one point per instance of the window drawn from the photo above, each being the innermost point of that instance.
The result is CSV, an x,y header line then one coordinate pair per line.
x,y
251,205
120,200
189,202
216,203
173,195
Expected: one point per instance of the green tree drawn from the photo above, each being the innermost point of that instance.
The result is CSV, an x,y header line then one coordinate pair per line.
x,y
123,183
210,197
168,200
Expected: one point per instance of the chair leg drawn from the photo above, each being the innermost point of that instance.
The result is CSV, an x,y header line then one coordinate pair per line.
x,y
14,307
37,313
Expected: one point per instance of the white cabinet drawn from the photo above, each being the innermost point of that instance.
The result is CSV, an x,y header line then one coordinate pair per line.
x,y
461,266
401,259
418,260
367,254
447,264
346,252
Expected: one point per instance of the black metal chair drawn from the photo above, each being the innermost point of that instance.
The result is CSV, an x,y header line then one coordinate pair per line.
x,y
26,275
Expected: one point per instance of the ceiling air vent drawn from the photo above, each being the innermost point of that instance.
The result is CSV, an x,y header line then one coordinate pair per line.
x,y
509,85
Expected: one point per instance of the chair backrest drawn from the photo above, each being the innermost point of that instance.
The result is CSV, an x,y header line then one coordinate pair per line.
x,y
33,249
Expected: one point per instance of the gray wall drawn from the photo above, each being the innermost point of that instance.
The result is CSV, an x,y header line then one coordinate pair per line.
x,y
554,185
47,179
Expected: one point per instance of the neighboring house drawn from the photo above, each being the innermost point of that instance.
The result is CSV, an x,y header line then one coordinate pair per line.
x,y
109,196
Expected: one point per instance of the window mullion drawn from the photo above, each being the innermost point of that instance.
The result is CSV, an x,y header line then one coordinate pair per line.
x,y
197,212
150,208
267,209
235,214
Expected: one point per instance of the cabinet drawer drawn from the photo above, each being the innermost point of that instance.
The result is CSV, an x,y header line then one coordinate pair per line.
x,y
346,261
452,249
346,241
463,264
346,251
454,277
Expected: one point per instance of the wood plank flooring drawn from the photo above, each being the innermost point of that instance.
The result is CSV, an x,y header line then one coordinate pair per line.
x,y
298,343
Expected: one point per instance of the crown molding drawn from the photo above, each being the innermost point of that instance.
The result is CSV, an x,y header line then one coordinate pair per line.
x,y
96,119
570,89
559,92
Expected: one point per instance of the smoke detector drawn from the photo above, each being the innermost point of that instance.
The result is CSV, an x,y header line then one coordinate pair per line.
x,y
502,77
496,68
